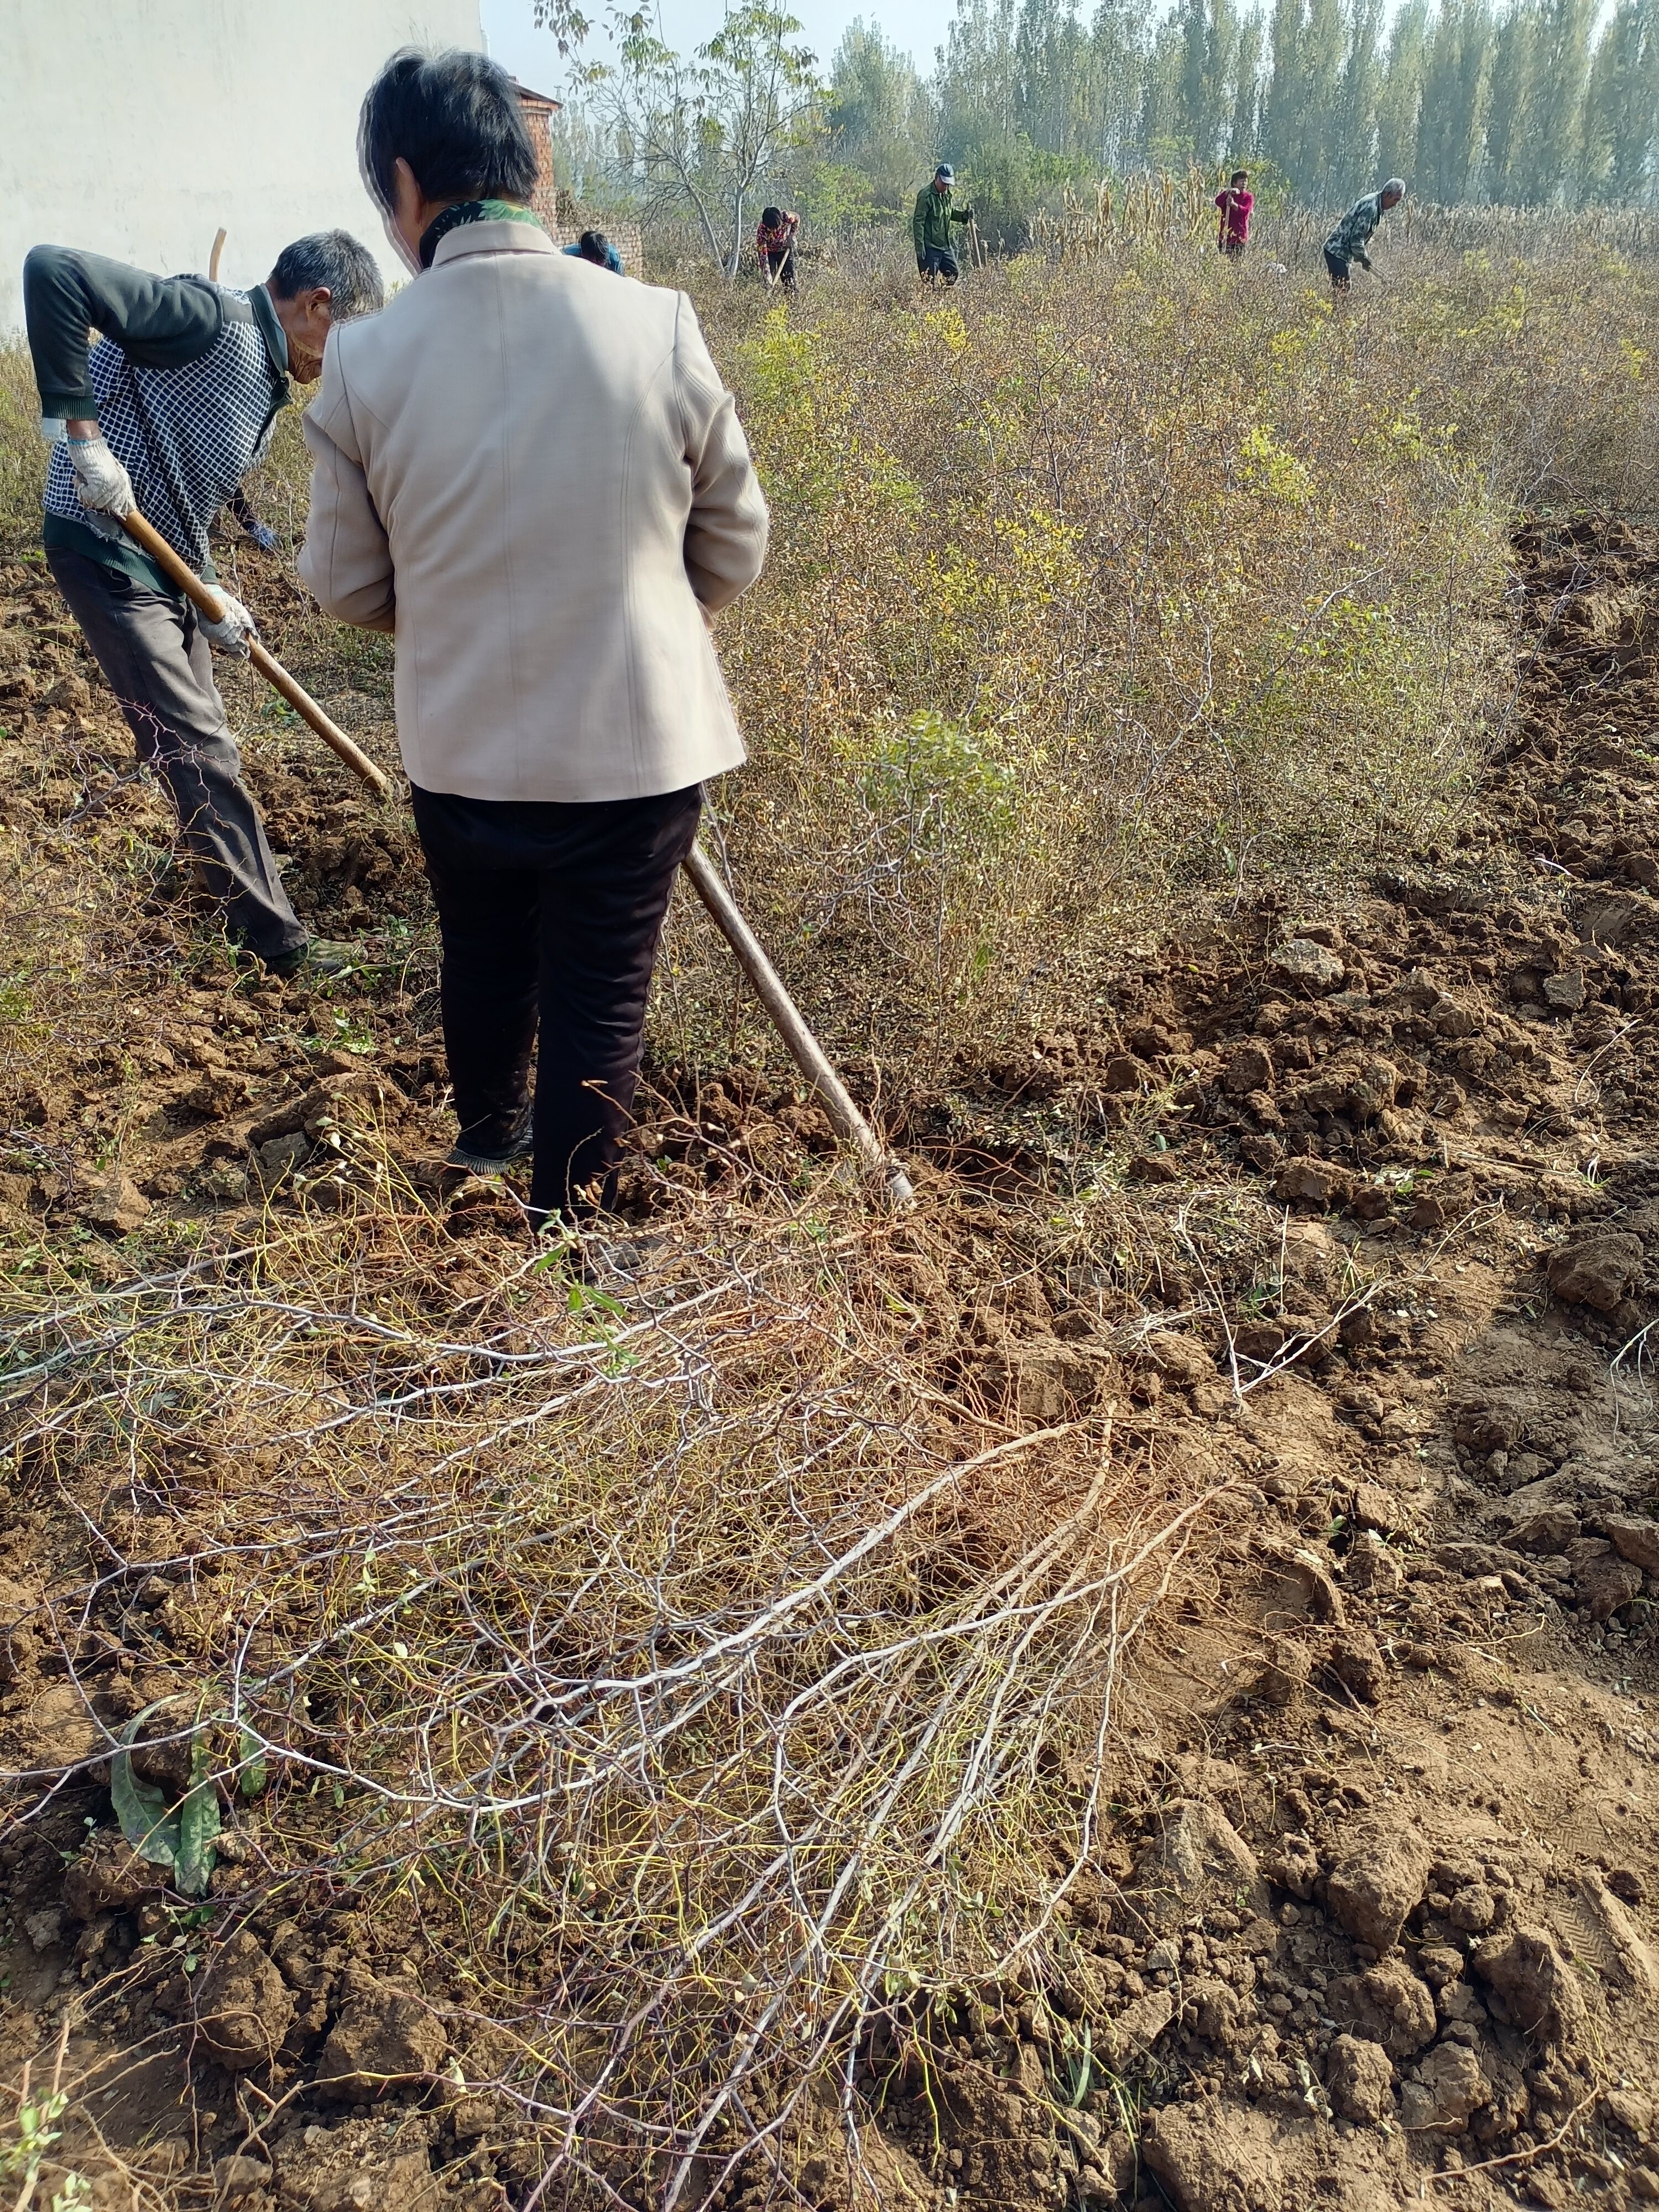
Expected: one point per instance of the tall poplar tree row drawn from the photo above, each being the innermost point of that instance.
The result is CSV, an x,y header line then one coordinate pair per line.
x,y
1525,102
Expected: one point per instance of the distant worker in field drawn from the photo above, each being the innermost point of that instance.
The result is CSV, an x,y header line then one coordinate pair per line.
x,y
166,415
1236,204
1348,241
775,246
594,246
936,251
540,485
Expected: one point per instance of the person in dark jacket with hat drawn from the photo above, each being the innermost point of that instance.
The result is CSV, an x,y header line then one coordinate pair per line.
x,y
936,251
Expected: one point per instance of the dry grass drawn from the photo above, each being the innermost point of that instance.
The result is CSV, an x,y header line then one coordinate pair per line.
x,y
684,1667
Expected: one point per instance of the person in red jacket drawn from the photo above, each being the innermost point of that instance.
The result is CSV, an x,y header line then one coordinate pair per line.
x,y
1235,203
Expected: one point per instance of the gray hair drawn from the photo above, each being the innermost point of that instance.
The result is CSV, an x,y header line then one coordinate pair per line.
x,y
335,260
1395,185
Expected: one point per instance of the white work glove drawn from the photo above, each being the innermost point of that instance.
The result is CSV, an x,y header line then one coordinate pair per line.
x,y
232,633
101,484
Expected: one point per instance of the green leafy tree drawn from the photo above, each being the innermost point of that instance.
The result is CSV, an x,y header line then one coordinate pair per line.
x,y
880,116
1455,85
1399,100
1510,143
1621,106
1565,29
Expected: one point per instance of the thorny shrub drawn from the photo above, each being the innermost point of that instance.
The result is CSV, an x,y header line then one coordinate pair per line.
x,y
1102,587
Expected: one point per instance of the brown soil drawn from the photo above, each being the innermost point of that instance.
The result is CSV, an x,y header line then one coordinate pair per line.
x,y
1368,1924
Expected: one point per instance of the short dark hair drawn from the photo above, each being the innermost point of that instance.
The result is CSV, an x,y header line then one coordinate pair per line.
x,y
594,246
1238,176
771,217
334,258
455,118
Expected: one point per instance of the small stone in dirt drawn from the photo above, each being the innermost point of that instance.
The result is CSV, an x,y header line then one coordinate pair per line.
x,y
1360,2080
1644,2184
1249,1068
1122,1074
239,2176
1642,868
1604,1581
1286,1669
1596,1270
1565,990
1294,1866
1449,2085
1381,1877
1472,1909
114,1202
44,1929
1439,1964
244,2009
1372,1566
1377,1508
1635,1539
1357,1664
1317,1182
1627,1885
1302,961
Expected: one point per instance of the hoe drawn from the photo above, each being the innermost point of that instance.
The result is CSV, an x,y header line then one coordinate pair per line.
x,y
809,1056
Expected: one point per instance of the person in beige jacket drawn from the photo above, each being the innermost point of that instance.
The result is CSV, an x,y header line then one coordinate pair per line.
x,y
531,475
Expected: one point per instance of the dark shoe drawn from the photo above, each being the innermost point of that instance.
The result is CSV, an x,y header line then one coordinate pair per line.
x,y
318,955
520,1146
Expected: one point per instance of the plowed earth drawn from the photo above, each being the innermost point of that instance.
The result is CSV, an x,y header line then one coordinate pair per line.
x,y
1372,1925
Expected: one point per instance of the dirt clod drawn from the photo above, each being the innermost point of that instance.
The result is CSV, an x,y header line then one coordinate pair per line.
x,y
381,2037
1596,1270
1379,1875
244,2009
1360,2080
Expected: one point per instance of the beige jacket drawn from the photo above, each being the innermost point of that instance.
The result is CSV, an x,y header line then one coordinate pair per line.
x,y
528,467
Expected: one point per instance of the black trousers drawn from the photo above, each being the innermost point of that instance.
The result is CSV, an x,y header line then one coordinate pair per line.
x,y
550,915
157,663
1337,269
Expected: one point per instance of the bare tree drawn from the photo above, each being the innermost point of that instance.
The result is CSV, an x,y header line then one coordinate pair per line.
x,y
704,132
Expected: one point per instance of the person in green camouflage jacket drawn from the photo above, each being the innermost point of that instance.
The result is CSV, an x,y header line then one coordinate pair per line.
x,y
1348,241
936,251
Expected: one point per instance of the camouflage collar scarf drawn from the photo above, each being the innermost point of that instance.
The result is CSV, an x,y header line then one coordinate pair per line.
x,y
466,212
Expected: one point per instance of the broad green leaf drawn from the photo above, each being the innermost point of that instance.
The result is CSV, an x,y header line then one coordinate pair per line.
x,y
254,1772
198,1825
140,1806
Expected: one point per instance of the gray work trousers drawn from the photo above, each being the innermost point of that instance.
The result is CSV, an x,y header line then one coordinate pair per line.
x,y
158,664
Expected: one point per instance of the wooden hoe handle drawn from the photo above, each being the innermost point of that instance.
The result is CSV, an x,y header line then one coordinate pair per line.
x,y
208,602
809,1055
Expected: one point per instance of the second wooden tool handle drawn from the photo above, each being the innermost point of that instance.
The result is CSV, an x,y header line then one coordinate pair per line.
x,y
206,601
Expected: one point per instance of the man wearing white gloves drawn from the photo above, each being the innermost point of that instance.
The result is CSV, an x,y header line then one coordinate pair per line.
x,y
167,413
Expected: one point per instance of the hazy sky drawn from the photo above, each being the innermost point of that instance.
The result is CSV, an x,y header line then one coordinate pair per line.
x,y
917,25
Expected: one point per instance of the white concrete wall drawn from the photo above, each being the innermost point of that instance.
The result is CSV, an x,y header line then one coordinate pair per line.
x,y
137,127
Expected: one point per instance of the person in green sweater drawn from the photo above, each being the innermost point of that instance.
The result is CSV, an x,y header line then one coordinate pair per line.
x,y
936,252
